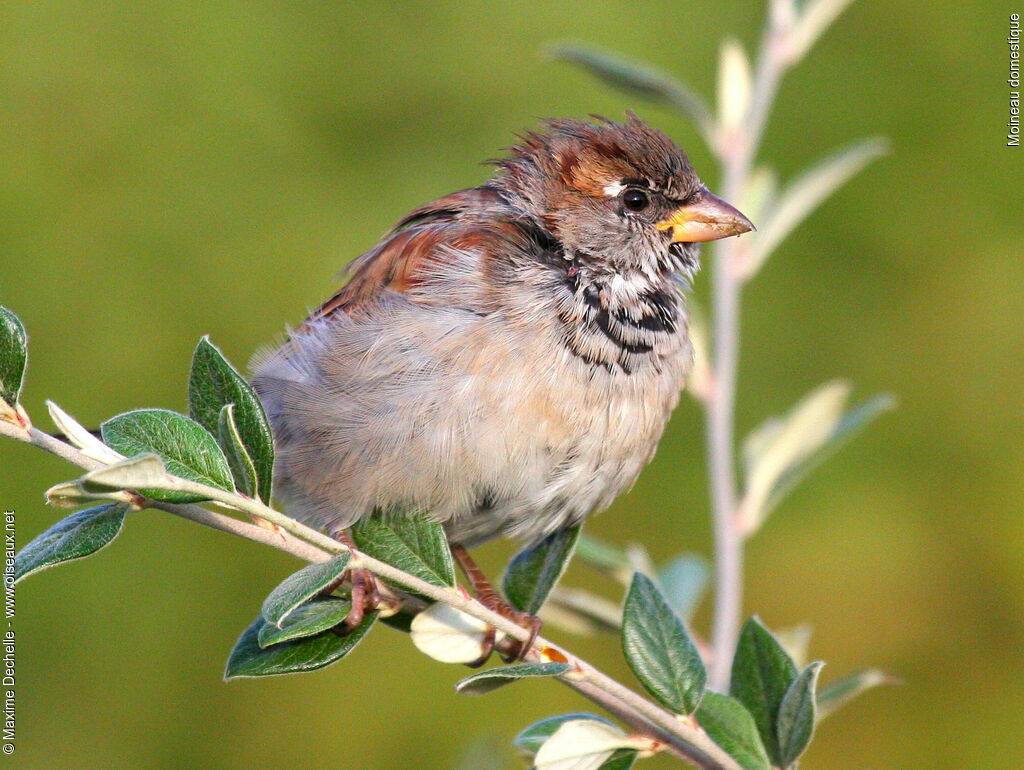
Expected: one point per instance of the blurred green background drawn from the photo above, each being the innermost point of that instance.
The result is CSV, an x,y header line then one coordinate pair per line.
x,y
175,169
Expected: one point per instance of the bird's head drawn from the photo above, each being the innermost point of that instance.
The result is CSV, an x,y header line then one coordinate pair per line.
x,y
621,196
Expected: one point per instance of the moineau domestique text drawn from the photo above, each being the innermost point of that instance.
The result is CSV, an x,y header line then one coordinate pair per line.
x,y
1013,137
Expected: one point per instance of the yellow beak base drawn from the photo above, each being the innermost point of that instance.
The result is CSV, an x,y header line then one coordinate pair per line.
x,y
705,217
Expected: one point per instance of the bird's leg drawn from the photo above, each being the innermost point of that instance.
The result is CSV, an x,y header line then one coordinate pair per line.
x,y
487,596
365,593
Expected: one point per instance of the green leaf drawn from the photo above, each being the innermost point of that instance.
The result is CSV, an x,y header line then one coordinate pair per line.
x,y
734,86
796,715
732,727
796,641
300,587
848,426
683,581
583,612
762,672
640,80
532,738
785,449
79,436
71,494
839,692
534,571
306,620
606,557
412,543
591,744
213,384
816,16
803,195
659,650
13,356
79,535
132,473
242,469
493,678
309,653
185,447
448,635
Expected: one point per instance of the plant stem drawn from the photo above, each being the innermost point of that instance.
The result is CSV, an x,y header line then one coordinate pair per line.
x,y
681,738
737,163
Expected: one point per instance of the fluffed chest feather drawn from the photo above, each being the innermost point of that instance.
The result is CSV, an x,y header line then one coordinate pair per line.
x,y
564,435
486,424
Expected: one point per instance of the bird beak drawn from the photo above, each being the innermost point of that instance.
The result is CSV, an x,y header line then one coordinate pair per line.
x,y
705,217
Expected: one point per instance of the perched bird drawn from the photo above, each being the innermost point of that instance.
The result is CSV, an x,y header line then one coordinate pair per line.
x,y
507,357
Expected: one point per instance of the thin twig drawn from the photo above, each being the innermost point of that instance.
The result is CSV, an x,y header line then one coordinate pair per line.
x,y
737,162
282,541
680,737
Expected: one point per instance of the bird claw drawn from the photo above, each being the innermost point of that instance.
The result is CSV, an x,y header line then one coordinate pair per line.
x,y
365,593
365,596
487,596
516,650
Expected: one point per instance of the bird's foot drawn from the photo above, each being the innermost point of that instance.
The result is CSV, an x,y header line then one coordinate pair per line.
x,y
364,593
516,650
365,596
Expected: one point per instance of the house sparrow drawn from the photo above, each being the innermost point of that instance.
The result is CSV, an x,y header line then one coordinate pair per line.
x,y
507,357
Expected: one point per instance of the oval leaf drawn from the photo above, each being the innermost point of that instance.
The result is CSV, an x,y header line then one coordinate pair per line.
x,y
133,473
248,659
186,448
730,725
308,620
659,650
242,468
683,581
803,196
817,16
585,744
81,437
413,543
214,383
493,678
796,715
762,672
13,356
784,450
299,588
79,535
582,612
533,737
640,80
534,571
733,86
839,692
609,558
448,635
71,494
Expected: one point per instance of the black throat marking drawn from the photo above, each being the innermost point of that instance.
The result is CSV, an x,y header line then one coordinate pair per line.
x,y
635,332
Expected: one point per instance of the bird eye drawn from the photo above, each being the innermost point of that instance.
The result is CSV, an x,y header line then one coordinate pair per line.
x,y
635,200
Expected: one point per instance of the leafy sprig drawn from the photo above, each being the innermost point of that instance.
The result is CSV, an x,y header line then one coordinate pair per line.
x,y
220,457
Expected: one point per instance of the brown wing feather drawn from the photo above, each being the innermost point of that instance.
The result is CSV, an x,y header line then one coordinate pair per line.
x,y
397,261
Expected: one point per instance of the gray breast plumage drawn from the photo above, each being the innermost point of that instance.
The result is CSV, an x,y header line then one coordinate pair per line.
x,y
517,421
